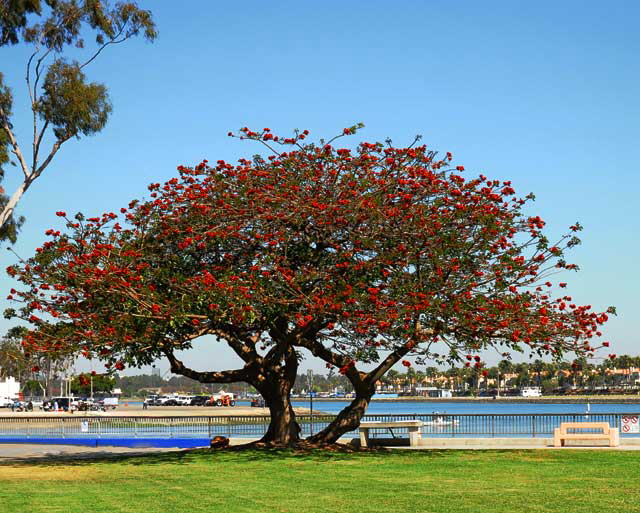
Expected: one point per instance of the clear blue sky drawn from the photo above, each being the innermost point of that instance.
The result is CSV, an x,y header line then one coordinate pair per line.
x,y
542,93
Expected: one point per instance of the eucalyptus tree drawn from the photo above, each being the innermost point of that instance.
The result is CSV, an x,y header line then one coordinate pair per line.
x,y
64,103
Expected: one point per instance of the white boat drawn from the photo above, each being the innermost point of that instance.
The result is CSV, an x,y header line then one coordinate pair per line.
x,y
440,419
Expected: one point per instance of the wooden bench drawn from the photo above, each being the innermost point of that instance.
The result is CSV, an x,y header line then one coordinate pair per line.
x,y
606,432
413,426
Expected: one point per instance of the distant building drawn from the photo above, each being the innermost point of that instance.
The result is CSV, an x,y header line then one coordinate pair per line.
x,y
9,391
624,377
440,392
433,392
531,392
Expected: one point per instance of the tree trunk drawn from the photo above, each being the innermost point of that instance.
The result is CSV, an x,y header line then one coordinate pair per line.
x,y
283,427
275,383
8,209
272,375
347,420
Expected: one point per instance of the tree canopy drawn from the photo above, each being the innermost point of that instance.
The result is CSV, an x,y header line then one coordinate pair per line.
x,y
370,255
63,101
34,369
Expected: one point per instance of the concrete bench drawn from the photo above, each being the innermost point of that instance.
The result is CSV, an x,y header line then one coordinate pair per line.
x,y
413,426
606,432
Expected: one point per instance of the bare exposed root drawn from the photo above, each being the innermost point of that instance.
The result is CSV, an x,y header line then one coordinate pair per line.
x,y
300,446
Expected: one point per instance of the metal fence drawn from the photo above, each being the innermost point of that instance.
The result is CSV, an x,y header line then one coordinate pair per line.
x,y
435,425
445,425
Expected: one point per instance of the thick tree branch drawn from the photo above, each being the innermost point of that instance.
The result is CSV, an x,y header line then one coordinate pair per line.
x,y
245,350
226,376
319,350
54,150
290,364
282,338
307,339
386,364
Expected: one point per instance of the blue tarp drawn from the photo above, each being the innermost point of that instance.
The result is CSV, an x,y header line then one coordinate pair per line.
x,y
112,442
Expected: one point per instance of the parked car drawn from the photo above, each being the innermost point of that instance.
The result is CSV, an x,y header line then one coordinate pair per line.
x,y
184,400
151,399
199,400
162,400
64,403
257,402
90,405
157,400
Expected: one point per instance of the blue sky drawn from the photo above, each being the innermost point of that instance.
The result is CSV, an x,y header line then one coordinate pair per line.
x,y
544,94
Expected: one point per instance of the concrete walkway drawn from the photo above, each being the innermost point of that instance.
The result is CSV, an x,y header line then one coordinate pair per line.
x,y
35,452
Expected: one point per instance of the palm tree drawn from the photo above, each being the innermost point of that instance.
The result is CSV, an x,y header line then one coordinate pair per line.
x,y
522,369
504,367
455,375
538,367
393,376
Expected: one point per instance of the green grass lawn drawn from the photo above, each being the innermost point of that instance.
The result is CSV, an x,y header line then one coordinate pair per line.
x,y
282,481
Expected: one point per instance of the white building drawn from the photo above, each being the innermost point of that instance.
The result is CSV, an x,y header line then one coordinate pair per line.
x,y
531,392
9,390
433,392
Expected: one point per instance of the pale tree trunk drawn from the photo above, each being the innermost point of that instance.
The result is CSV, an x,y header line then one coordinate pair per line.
x,y
9,208
30,174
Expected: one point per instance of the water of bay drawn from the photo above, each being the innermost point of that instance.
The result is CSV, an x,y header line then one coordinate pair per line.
x,y
493,407
399,407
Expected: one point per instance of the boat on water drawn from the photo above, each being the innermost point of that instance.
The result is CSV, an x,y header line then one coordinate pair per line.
x,y
441,419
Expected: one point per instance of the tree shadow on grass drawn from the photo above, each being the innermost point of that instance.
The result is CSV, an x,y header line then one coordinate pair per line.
x,y
235,454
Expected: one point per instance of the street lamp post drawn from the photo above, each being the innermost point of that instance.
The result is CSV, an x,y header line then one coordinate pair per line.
x,y
310,382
